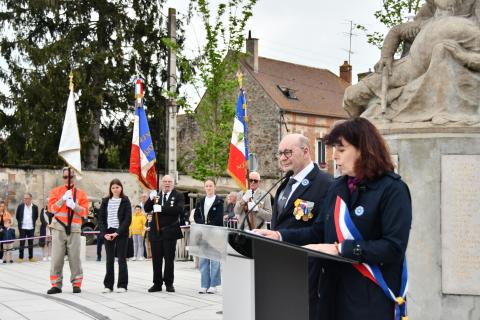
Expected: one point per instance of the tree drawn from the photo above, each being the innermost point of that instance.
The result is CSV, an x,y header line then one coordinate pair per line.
x,y
393,12
217,66
104,43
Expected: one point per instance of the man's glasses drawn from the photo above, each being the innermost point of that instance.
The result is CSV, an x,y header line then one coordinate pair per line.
x,y
253,180
287,153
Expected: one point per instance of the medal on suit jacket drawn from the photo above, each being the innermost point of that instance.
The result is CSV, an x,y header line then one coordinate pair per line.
x,y
303,209
346,230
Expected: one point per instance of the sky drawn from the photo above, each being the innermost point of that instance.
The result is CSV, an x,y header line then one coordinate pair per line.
x,y
307,32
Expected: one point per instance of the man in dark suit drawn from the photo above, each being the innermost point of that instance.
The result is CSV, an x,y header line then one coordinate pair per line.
x,y
165,212
307,186
27,215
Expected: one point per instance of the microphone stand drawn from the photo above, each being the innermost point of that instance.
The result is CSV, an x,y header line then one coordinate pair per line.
x,y
287,175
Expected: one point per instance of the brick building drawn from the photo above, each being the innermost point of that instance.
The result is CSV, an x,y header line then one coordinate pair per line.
x,y
283,98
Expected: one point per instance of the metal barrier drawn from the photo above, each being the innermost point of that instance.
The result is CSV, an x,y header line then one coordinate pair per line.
x,y
181,253
231,223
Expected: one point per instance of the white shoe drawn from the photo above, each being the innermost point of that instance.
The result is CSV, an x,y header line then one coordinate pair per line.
x,y
141,259
202,290
133,259
44,259
121,290
106,290
212,290
49,258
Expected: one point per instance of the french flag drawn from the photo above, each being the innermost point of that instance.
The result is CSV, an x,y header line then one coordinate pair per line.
x,y
142,156
238,155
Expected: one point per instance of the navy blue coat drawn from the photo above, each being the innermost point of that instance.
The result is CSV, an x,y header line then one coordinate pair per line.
x,y
382,212
315,190
169,220
19,215
214,216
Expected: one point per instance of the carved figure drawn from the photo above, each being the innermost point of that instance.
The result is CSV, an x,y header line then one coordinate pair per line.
x,y
438,81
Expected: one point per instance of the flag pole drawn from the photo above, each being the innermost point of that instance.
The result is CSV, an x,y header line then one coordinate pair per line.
x,y
70,87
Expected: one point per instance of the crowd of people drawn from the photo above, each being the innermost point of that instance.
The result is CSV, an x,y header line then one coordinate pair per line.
x,y
364,215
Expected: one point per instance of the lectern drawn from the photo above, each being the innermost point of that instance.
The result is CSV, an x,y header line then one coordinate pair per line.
x,y
263,279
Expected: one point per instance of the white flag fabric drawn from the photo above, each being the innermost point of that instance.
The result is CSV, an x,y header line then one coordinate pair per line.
x,y
69,148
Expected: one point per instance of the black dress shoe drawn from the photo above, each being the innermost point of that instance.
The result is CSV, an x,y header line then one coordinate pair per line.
x,y
170,289
54,290
76,290
155,288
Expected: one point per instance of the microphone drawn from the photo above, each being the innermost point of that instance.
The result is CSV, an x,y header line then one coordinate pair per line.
x,y
285,177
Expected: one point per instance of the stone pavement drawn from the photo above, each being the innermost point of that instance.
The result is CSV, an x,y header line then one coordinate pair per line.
x,y
23,295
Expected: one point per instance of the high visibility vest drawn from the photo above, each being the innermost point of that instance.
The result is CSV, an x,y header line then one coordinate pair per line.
x,y
61,212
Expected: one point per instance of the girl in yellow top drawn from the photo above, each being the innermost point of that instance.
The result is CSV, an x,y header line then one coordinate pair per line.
x,y
137,232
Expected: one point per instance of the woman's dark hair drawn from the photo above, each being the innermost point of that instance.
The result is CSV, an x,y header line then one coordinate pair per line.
x,y
210,179
118,183
374,158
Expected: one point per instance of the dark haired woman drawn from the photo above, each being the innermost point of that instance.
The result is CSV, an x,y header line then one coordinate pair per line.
x,y
209,210
114,218
366,216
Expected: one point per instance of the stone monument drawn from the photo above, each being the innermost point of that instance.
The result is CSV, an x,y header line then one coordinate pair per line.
x,y
427,106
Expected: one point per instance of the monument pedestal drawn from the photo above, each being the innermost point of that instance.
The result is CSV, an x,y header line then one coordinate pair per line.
x,y
441,165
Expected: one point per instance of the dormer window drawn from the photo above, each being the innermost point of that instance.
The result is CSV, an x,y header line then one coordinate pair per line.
x,y
288,92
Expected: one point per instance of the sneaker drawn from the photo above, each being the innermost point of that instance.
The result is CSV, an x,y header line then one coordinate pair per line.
x,y
20,260
76,289
202,290
121,290
44,259
212,290
32,259
133,259
49,258
107,290
54,290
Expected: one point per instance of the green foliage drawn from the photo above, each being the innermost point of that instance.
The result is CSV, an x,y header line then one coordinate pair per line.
x,y
217,66
104,43
393,12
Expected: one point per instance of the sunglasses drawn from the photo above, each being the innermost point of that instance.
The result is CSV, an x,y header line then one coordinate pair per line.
x,y
253,180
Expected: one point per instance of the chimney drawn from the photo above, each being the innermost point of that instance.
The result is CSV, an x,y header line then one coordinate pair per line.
x,y
252,51
346,72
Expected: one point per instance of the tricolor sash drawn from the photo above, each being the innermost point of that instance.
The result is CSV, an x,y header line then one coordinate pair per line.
x,y
346,230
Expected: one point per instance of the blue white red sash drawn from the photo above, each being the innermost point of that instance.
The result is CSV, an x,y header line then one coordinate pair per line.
x,y
346,230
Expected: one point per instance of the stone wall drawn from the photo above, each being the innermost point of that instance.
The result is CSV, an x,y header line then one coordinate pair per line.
x,y
187,131
264,126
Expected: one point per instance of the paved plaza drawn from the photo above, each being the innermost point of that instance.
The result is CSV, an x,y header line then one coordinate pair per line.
x,y
23,295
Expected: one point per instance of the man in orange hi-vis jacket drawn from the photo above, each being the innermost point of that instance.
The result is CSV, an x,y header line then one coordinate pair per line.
x,y
68,204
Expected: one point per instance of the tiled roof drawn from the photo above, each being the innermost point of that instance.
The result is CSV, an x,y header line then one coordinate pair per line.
x,y
318,91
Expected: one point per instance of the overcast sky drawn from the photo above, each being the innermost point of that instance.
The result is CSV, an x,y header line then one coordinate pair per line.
x,y
308,32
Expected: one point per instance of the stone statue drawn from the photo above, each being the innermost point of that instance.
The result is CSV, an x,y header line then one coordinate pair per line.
x,y
438,81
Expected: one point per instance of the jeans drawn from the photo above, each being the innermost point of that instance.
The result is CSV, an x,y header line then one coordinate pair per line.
x,y
210,273
137,246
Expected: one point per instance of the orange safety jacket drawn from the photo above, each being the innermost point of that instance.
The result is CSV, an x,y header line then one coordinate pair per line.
x,y
59,208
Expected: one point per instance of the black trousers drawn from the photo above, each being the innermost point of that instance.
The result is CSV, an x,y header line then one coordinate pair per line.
x,y
163,250
118,245
26,234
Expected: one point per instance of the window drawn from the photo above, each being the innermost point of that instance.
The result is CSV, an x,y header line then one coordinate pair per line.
x,y
288,92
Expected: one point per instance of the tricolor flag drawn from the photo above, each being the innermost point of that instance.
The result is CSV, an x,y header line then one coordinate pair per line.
x,y
142,156
238,155
69,148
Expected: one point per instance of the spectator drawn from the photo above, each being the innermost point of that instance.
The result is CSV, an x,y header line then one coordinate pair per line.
x,y
8,235
137,232
4,216
45,231
27,215
115,216
209,210
230,205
